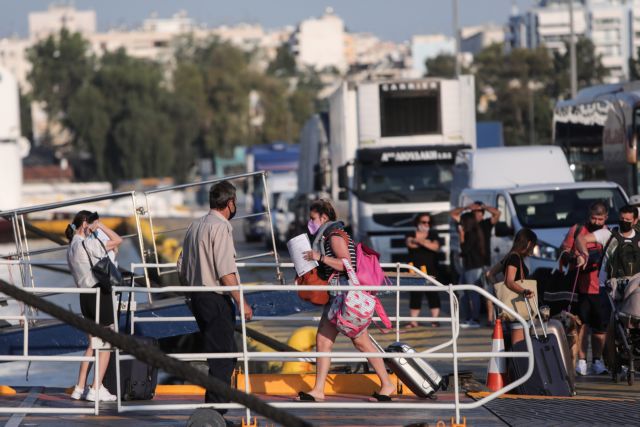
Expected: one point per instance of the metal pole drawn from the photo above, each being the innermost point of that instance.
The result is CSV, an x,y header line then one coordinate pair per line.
x,y
456,33
532,134
572,53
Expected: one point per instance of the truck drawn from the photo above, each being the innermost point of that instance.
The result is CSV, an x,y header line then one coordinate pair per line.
x,y
280,161
534,187
385,152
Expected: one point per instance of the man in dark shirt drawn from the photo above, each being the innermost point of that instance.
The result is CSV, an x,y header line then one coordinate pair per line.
x,y
478,259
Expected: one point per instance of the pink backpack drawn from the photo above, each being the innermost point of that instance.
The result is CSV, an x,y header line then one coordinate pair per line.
x,y
352,311
368,265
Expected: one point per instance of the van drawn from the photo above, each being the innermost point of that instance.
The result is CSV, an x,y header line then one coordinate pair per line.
x,y
532,187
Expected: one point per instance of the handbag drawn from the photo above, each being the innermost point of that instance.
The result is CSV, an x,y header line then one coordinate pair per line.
x,y
314,297
514,300
104,270
313,277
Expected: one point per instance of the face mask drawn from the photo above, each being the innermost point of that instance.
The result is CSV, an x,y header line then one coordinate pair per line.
x,y
593,227
313,227
423,228
233,213
625,226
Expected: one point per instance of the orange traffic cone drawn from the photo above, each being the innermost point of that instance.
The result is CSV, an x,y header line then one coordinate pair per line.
x,y
496,377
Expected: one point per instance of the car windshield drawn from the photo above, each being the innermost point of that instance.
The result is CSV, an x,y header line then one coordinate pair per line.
x,y
402,183
564,208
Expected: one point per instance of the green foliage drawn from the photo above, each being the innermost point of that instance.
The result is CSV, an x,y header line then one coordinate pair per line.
x,y
443,65
130,118
60,65
523,85
519,80
589,67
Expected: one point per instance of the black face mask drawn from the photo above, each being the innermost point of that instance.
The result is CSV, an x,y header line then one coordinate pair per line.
x,y
625,226
593,227
233,213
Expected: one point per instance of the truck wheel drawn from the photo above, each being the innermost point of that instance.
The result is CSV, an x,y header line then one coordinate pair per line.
x,y
205,417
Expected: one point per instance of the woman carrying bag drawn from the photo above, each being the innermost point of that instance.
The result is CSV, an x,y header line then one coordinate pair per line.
x,y
82,248
515,273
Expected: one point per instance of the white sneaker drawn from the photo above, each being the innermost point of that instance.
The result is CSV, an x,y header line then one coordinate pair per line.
x,y
79,393
581,367
470,324
598,368
105,396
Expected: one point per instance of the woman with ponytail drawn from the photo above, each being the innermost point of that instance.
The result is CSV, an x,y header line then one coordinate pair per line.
x,y
83,244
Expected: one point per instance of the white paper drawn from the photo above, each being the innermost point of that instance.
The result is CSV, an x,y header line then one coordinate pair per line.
x,y
297,247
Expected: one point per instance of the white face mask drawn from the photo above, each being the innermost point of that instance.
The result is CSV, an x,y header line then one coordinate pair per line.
x,y
424,228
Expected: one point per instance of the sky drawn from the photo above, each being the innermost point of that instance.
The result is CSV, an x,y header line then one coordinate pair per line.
x,y
395,20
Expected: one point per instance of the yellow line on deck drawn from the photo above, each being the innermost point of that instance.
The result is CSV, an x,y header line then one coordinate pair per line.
x,y
481,394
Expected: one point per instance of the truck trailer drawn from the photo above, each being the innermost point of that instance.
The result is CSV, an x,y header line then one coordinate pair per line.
x,y
385,152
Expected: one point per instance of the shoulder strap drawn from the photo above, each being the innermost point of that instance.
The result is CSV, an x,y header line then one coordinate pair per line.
x,y
333,232
576,233
88,254
521,268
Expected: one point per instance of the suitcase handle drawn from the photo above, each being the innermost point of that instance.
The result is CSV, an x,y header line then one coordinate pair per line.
x,y
531,317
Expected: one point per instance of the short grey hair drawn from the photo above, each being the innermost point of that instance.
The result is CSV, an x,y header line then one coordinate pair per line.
x,y
220,194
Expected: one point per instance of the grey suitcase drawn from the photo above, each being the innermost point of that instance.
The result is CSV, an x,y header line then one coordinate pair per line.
x,y
554,327
421,378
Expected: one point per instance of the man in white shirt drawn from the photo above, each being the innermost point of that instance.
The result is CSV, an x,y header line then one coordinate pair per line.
x,y
597,305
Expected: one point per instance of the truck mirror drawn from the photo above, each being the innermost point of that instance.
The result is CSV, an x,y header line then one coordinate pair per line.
x,y
343,195
342,177
503,230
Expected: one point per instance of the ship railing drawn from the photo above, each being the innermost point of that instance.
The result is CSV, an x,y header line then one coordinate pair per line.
x,y
434,353
96,344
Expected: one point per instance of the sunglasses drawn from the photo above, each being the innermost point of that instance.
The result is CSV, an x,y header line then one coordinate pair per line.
x,y
425,222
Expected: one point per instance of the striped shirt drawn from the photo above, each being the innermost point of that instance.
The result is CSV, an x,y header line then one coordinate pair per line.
x,y
326,271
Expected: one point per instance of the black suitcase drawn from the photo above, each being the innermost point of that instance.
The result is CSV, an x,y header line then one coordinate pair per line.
x,y
415,373
549,377
138,380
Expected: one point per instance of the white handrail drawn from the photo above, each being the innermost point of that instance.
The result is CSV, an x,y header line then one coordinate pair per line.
x,y
246,355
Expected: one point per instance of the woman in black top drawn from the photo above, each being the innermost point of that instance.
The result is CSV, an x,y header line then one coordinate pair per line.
x,y
338,245
423,247
515,270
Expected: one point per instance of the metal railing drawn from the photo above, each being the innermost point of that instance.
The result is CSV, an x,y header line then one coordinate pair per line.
x,y
245,355
26,357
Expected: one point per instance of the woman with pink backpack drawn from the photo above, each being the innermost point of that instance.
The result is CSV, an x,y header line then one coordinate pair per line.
x,y
335,251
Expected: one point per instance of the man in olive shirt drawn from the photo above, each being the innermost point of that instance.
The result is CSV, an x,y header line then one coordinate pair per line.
x,y
208,259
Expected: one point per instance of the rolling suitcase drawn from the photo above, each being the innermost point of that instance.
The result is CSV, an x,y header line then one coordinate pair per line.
x,y
138,380
554,327
415,373
549,377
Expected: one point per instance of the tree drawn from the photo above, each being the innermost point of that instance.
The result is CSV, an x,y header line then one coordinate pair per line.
x,y
519,81
443,65
59,66
589,66
284,64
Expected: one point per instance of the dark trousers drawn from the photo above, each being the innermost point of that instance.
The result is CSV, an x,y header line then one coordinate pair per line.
x,y
216,317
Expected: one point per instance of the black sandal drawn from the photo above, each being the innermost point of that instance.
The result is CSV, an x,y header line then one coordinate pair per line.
x,y
381,397
305,397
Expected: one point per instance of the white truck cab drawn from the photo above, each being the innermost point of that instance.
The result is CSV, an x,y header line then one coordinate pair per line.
x,y
532,187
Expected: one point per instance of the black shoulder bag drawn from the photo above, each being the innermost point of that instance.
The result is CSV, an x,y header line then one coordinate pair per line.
x,y
104,270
